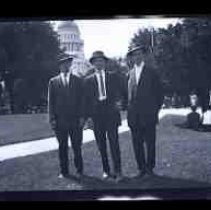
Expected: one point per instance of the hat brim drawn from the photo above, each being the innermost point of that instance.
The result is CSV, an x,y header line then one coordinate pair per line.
x,y
130,52
70,59
93,58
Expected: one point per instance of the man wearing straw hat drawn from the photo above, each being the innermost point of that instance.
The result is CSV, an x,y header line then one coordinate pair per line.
x,y
102,90
145,98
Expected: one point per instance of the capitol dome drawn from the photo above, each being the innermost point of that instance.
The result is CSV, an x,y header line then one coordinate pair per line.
x,y
68,25
72,44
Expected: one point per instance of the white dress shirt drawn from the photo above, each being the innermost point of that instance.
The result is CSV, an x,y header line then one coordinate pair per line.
x,y
67,78
101,96
138,71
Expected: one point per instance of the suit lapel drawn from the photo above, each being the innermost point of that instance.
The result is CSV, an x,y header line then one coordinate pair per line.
x,y
142,76
131,83
70,81
106,81
60,82
132,77
95,83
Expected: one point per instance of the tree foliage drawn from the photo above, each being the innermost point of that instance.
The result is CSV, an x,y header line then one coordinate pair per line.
x,y
29,55
182,53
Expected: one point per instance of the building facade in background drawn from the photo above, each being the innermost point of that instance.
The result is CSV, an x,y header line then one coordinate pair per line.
x,y
70,41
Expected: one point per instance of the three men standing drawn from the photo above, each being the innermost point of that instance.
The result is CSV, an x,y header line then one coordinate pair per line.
x,y
145,98
71,101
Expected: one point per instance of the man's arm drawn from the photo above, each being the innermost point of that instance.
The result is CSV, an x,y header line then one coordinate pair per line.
x,y
80,96
86,99
51,102
124,89
120,86
159,89
87,105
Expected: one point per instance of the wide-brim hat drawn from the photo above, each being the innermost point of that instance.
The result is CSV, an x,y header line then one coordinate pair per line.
x,y
97,54
134,49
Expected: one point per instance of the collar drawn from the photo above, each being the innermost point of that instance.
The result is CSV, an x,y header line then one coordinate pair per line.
x,y
97,71
62,74
139,66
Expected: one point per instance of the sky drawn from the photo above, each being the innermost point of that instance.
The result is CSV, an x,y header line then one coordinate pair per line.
x,y
112,36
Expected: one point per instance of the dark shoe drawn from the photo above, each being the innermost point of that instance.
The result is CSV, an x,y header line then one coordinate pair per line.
x,y
119,178
141,174
79,175
150,172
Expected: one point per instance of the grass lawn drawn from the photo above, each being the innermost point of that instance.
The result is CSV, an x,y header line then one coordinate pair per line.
x,y
183,161
23,127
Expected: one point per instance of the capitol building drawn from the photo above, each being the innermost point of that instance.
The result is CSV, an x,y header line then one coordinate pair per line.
x,y
72,44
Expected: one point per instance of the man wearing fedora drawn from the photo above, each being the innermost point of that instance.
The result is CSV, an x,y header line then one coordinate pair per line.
x,y
101,96
145,98
65,115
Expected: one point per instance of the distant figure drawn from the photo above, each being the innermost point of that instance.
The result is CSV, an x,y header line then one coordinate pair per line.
x,y
206,122
166,102
206,108
194,100
193,119
9,79
1,93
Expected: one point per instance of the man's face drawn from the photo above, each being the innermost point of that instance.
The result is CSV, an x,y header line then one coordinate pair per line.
x,y
193,100
65,67
99,63
138,57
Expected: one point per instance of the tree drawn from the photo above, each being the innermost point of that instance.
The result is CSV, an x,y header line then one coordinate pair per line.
x,y
182,54
199,51
30,52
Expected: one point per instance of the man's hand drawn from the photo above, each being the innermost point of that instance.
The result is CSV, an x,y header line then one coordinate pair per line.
x,y
118,105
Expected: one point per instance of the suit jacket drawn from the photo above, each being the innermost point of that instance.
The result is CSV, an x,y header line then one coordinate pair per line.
x,y
148,98
91,101
65,103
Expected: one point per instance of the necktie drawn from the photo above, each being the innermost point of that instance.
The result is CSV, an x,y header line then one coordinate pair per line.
x,y
101,84
65,81
132,87
134,91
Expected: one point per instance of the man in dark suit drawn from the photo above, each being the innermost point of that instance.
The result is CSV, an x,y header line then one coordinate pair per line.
x,y
65,115
102,93
145,98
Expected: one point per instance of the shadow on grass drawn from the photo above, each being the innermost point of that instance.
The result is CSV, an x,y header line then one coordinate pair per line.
x,y
199,129
135,183
179,122
39,171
